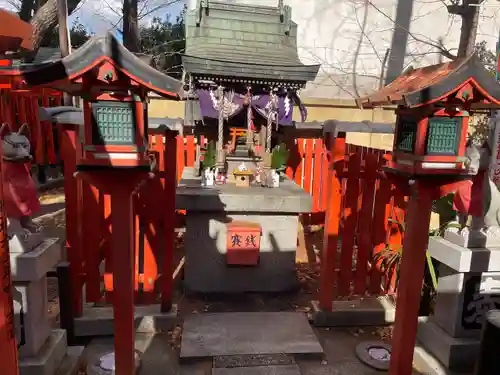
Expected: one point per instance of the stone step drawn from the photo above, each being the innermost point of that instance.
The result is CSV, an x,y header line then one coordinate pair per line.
x,y
258,370
71,363
253,360
238,334
49,358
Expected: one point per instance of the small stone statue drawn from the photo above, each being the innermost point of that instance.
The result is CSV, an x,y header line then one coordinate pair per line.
x,y
20,193
479,198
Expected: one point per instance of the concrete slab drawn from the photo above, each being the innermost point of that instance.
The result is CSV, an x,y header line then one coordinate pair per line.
x,y
208,335
49,357
361,312
99,321
258,370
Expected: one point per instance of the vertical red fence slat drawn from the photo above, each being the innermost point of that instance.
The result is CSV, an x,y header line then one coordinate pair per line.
x,y
349,218
382,212
181,157
190,151
46,129
332,223
300,167
365,224
317,177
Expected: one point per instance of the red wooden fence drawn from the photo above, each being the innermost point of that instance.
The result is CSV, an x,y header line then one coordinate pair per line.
x,y
368,202
371,208
18,107
370,211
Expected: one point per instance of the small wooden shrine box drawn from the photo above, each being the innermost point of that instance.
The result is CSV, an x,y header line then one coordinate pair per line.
x,y
242,178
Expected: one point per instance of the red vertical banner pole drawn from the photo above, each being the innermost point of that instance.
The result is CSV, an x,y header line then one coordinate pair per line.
x,y
410,283
336,146
8,346
169,220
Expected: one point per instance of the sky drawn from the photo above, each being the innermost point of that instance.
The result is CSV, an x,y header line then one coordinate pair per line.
x,y
99,16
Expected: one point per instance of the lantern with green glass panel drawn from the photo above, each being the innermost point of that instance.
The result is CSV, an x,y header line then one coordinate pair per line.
x,y
430,142
115,124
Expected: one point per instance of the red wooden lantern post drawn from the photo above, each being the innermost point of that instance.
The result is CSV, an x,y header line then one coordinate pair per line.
x,y
112,153
14,34
428,159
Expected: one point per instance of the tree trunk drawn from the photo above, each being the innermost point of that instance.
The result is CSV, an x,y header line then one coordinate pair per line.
x,y
131,39
45,19
468,32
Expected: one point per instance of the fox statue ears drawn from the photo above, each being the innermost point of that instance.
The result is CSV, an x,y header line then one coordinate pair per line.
x,y
5,129
23,130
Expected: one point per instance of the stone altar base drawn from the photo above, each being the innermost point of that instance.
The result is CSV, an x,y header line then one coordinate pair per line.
x,y
368,311
42,351
209,210
98,321
468,287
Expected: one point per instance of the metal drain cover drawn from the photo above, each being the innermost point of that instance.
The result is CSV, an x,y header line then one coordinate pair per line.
x,y
376,354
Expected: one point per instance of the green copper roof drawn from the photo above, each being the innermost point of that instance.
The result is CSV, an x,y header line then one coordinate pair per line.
x,y
244,43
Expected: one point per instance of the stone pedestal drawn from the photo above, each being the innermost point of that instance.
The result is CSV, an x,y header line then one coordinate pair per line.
x,y
468,287
41,349
209,210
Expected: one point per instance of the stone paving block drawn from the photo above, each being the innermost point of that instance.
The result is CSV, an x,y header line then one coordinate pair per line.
x,y
208,335
253,360
99,321
258,370
361,312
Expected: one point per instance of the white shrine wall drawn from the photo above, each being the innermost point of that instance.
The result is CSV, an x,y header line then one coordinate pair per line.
x,y
331,32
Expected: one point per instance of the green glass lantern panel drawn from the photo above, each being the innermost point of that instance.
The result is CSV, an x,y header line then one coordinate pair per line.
x,y
443,136
407,134
114,123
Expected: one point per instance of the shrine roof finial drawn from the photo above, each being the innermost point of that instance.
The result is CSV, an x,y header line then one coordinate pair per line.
x,y
91,54
435,83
